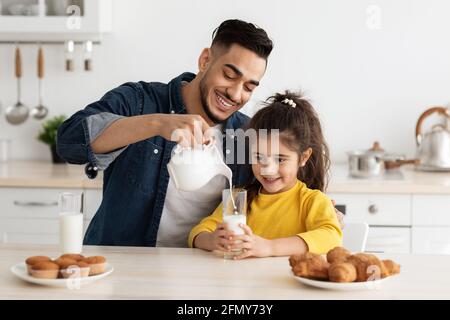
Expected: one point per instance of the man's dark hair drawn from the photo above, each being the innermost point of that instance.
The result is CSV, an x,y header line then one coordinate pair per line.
x,y
245,34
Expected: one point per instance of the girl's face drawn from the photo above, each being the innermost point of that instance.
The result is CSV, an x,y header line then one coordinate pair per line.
x,y
276,168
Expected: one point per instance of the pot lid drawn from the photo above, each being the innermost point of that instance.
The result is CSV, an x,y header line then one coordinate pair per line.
x,y
376,149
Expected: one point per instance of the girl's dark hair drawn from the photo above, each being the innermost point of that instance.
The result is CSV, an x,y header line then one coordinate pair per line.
x,y
299,128
245,34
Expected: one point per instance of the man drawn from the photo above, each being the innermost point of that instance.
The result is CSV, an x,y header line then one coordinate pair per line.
x,y
129,134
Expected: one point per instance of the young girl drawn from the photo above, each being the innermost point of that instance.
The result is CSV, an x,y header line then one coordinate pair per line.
x,y
287,211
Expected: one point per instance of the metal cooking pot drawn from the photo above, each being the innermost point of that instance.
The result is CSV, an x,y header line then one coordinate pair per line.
x,y
371,162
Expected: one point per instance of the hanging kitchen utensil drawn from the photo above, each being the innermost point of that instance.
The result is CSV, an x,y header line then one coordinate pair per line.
x,y
69,49
40,111
17,113
433,147
88,55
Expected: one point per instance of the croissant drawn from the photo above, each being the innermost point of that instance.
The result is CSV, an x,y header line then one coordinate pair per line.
x,y
341,266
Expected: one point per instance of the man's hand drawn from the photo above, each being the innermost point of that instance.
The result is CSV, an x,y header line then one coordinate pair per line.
x,y
251,244
339,215
185,129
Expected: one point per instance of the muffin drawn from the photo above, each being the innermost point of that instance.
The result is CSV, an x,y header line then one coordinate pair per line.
x,y
35,259
63,263
72,268
97,264
45,270
73,256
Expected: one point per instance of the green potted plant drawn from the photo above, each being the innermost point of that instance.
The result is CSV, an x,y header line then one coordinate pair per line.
x,y
47,135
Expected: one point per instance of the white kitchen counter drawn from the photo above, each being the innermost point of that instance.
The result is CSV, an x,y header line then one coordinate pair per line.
x,y
406,180
43,174
174,273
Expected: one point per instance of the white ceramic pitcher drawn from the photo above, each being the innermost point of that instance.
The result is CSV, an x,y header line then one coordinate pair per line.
x,y
192,168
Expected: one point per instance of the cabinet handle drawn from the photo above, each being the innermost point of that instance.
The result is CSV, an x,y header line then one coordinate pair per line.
x,y
373,209
35,204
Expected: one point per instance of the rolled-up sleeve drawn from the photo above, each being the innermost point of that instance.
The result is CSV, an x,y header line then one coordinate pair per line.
x,y
76,134
95,125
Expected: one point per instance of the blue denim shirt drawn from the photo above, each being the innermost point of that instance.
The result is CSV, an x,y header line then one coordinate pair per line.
x,y
135,179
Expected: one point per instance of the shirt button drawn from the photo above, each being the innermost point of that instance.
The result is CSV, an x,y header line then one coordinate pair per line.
x,y
227,151
155,151
172,111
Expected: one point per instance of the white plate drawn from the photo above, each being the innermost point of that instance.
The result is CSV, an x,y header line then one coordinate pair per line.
x,y
20,270
351,286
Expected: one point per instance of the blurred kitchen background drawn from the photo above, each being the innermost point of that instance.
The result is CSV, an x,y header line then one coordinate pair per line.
x,y
371,68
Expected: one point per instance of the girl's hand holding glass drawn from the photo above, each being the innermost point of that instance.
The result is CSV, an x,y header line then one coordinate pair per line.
x,y
251,244
221,238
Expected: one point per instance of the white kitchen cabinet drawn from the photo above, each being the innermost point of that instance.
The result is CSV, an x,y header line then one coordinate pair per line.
x,y
431,210
92,200
389,218
30,215
431,240
55,20
431,224
376,209
389,240
399,223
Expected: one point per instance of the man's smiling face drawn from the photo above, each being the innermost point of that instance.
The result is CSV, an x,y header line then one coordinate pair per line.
x,y
228,80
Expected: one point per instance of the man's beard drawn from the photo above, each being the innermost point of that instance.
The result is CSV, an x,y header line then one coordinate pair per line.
x,y
205,106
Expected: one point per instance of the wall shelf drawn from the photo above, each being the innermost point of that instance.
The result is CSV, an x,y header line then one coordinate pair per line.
x,y
71,20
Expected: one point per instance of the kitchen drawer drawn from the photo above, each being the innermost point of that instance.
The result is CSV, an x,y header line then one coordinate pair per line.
x,y
389,240
28,225
33,231
431,240
29,238
31,215
431,210
376,209
30,202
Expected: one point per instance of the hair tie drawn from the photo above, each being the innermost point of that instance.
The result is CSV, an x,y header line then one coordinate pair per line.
x,y
289,102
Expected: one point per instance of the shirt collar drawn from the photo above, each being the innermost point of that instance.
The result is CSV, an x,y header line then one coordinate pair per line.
x,y
175,98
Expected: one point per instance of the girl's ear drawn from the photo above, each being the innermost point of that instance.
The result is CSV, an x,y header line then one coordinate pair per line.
x,y
204,59
305,156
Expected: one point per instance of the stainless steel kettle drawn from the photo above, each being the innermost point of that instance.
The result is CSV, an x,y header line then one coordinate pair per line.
x,y
433,146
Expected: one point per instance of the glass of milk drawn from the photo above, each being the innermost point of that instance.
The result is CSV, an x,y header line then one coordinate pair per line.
x,y
234,213
70,222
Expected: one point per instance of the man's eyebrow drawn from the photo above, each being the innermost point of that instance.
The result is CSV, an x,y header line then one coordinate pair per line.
x,y
239,73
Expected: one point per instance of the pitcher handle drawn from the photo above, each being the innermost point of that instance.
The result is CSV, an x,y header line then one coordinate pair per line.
x,y
441,110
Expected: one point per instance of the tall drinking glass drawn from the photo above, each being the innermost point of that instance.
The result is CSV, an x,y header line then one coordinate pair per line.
x,y
234,213
70,223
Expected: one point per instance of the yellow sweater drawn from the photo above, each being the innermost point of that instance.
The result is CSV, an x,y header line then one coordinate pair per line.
x,y
299,211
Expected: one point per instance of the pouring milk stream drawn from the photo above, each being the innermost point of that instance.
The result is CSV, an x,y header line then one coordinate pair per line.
x,y
191,168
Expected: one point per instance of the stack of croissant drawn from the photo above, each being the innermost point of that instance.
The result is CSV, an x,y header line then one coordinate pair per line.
x,y
342,266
